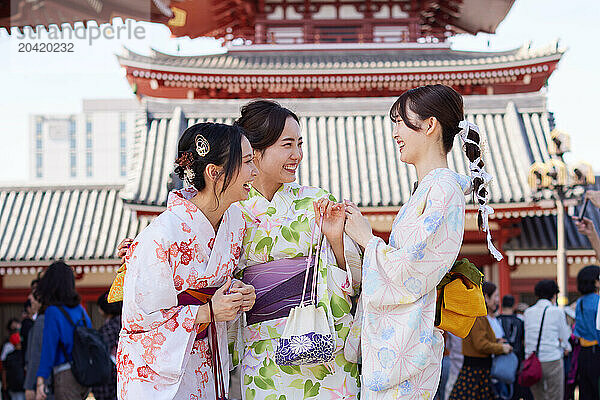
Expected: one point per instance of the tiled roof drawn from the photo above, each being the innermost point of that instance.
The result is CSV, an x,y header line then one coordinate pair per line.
x,y
71,223
348,146
423,57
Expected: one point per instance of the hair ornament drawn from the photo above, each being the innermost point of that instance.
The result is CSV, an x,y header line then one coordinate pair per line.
x,y
202,146
185,159
189,175
479,172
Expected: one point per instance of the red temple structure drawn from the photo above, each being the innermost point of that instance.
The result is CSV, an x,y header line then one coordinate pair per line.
x,y
339,64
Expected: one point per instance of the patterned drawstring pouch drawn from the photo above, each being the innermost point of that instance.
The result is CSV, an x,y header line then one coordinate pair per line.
x,y
307,337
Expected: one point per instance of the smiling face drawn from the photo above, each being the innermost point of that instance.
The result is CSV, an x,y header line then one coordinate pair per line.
x,y
411,143
241,185
278,163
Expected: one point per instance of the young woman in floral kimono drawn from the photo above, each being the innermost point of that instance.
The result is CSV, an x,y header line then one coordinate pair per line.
x,y
174,266
280,216
401,348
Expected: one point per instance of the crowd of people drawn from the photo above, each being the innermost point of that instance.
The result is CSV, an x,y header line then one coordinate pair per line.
x,y
246,268
37,357
565,340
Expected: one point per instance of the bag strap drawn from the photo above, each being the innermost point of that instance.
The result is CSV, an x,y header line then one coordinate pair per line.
x,y
537,348
60,343
216,356
66,314
308,261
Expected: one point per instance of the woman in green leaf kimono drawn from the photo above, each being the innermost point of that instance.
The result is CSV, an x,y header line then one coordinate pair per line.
x,y
280,216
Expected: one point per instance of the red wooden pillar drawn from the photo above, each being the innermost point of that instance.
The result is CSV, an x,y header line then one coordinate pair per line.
x,y
503,268
504,278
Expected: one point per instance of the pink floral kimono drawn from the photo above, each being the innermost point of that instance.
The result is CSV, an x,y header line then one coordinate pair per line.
x,y
160,354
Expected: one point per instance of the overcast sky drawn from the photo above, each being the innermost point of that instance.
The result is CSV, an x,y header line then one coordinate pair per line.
x,y
34,83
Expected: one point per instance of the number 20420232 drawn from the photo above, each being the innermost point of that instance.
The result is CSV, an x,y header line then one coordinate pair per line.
x,y
46,47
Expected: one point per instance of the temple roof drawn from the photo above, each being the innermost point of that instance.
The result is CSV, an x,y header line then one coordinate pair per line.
x,y
73,223
337,70
339,57
348,147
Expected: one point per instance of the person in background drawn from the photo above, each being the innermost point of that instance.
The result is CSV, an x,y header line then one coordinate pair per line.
x,y
570,361
34,348
489,289
29,312
588,363
513,327
514,331
474,381
586,225
441,390
554,342
454,346
13,325
520,310
110,333
56,291
14,369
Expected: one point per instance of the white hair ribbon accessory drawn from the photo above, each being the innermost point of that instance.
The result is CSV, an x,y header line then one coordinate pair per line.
x,y
479,172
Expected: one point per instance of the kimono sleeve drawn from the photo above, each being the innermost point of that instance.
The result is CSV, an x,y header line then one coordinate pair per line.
x,y
348,278
429,245
158,331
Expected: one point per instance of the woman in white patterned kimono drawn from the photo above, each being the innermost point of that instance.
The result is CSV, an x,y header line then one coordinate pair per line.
x,y
280,216
401,349
179,274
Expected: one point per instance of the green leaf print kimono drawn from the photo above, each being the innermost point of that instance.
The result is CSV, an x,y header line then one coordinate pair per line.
x,y
281,229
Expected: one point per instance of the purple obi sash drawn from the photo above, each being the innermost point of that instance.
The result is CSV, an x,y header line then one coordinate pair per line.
x,y
278,285
197,297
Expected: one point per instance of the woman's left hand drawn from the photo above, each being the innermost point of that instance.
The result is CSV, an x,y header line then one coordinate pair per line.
x,y
357,225
333,218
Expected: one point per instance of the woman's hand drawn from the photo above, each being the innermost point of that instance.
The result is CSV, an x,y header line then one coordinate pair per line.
x,y
247,292
357,225
40,393
226,306
585,226
594,197
122,248
29,394
506,348
333,218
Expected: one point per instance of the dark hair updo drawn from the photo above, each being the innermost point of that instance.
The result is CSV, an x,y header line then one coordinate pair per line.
x,y
586,279
263,121
446,105
225,143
